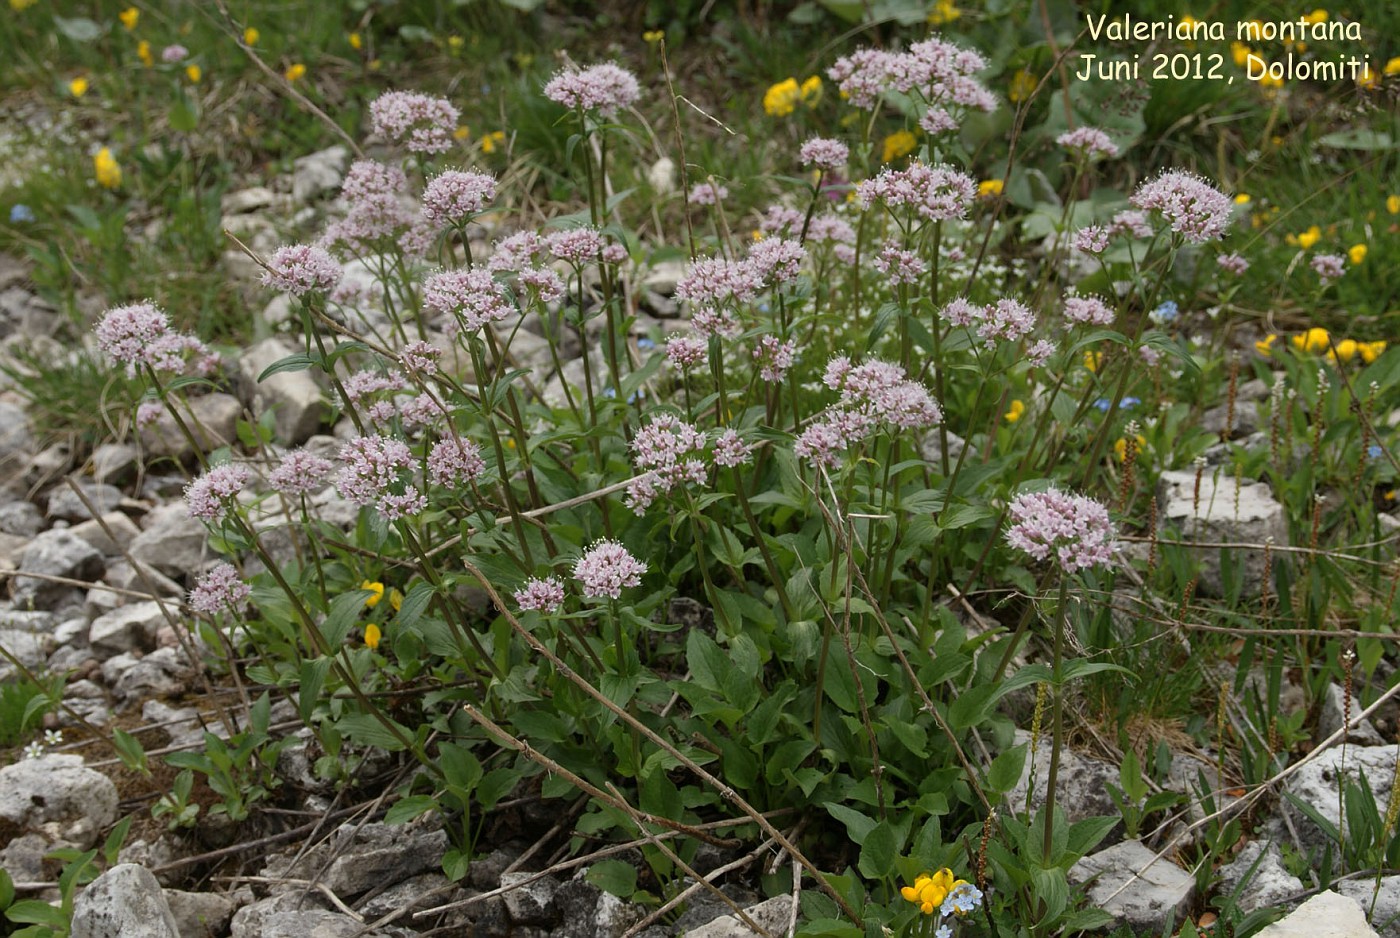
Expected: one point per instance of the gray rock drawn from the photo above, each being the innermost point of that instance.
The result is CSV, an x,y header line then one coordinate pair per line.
x,y
1325,915
531,903
23,859
125,901
199,914
931,446
295,396
115,463
1249,515
67,504
417,892
664,276
141,578
165,672
1157,898
212,420
1081,788
1385,915
126,628
771,914
1330,716
172,542
1246,419
21,518
181,724
251,199
319,173
380,854
56,790
251,919
16,437
317,924
30,648
1315,784
1269,884
54,553
110,534
48,465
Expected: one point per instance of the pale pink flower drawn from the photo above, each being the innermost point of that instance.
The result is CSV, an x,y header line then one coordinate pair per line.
x,y
666,451
607,568
824,153
299,269
125,331
686,351
1233,263
1195,209
516,252
1329,267
370,181
300,473
730,450
420,358
1039,352
934,192
606,88
899,265
1072,530
1092,239
774,357
174,53
422,123
372,470
454,459
713,281
208,497
472,297
1090,310
543,282
775,261
1090,143
780,220
540,595
453,197
1132,223
575,245
707,193
220,590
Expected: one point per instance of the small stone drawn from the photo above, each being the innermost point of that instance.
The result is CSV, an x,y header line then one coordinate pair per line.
x,y
20,518
1245,419
172,541
125,901
126,628
16,436
382,854
1222,513
319,173
165,672
56,553
115,463
1081,790
247,200
69,505
1138,890
212,420
109,534
1268,885
296,398
141,579
199,914
1315,784
1325,915
772,915
531,903
1329,719
56,789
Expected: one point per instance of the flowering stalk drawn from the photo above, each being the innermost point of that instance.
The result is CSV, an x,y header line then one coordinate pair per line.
x,y
1057,727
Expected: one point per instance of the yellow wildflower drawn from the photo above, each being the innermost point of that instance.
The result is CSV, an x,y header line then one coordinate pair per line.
x,y
652,36
1369,79
1120,447
1240,52
1345,351
1242,199
294,72
106,168
19,6
491,141
1270,80
78,87
1314,340
372,636
356,42
990,187
376,589
1392,67
1370,351
251,36
455,42
1316,16
1018,409
944,11
1265,345
781,99
129,17
929,891
1022,84
143,52
194,73
811,91
462,132
395,600
900,143
1357,253
1392,204
1092,360
1308,238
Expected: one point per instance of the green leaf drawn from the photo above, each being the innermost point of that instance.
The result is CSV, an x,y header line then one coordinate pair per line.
x,y
858,826
132,754
409,808
878,852
707,662
112,846
313,678
1006,769
1049,886
495,785
345,609
7,889
366,730
79,28
614,876
298,361
34,912
1085,835
413,605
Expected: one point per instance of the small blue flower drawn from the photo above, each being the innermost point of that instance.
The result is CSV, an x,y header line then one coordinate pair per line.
x,y
962,900
1374,451
21,214
1103,404
1130,402
632,398
944,931
646,343
1164,313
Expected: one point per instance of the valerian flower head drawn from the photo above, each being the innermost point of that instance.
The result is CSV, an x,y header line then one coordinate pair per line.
x,y
1072,530
666,450
219,590
823,153
299,269
126,331
453,197
472,297
607,568
300,473
372,470
606,88
1194,208
937,193
208,497
1089,143
422,123
542,595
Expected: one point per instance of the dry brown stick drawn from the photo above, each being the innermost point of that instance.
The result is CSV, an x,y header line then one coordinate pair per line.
x,y
693,888
725,791
560,825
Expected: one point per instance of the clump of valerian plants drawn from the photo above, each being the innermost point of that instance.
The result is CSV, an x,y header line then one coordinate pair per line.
x,y
905,479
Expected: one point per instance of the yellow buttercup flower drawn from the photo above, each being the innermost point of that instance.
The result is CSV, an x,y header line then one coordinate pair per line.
x,y
1392,66
652,36
143,52
194,73
1240,52
78,87
1092,360
1016,411
376,589
1265,345
1242,199
1370,351
295,72
1345,351
251,36
1316,16
355,41
372,636
1357,253
461,133
106,168
990,187
1314,340
1308,238
1120,447
19,6
943,12
1392,204
455,42
395,600
1022,84
129,17
811,91
781,99
491,141
929,890
900,143
1369,79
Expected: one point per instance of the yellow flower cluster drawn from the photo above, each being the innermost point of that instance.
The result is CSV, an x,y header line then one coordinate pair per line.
x,y
1305,239
129,17
1317,340
1120,447
493,141
106,169
929,890
1016,412
782,99
295,72
943,12
900,143
990,187
373,633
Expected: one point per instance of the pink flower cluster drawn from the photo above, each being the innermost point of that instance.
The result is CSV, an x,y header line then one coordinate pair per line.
x,y
1194,208
300,473
453,460
1073,530
899,265
208,496
665,451
713,281
1090,310
219,590
607,568
824,153
472,297
370,474
420,358
1329,267
938,72
686,351
874,395
730,450
299,269
542,595
775,261
515,253
1091,239
378,212
937,193
774,357
1233,263
1006,319
577,246
140,334
422,123
606,88
453,197
1088,143
707,193
1132,223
